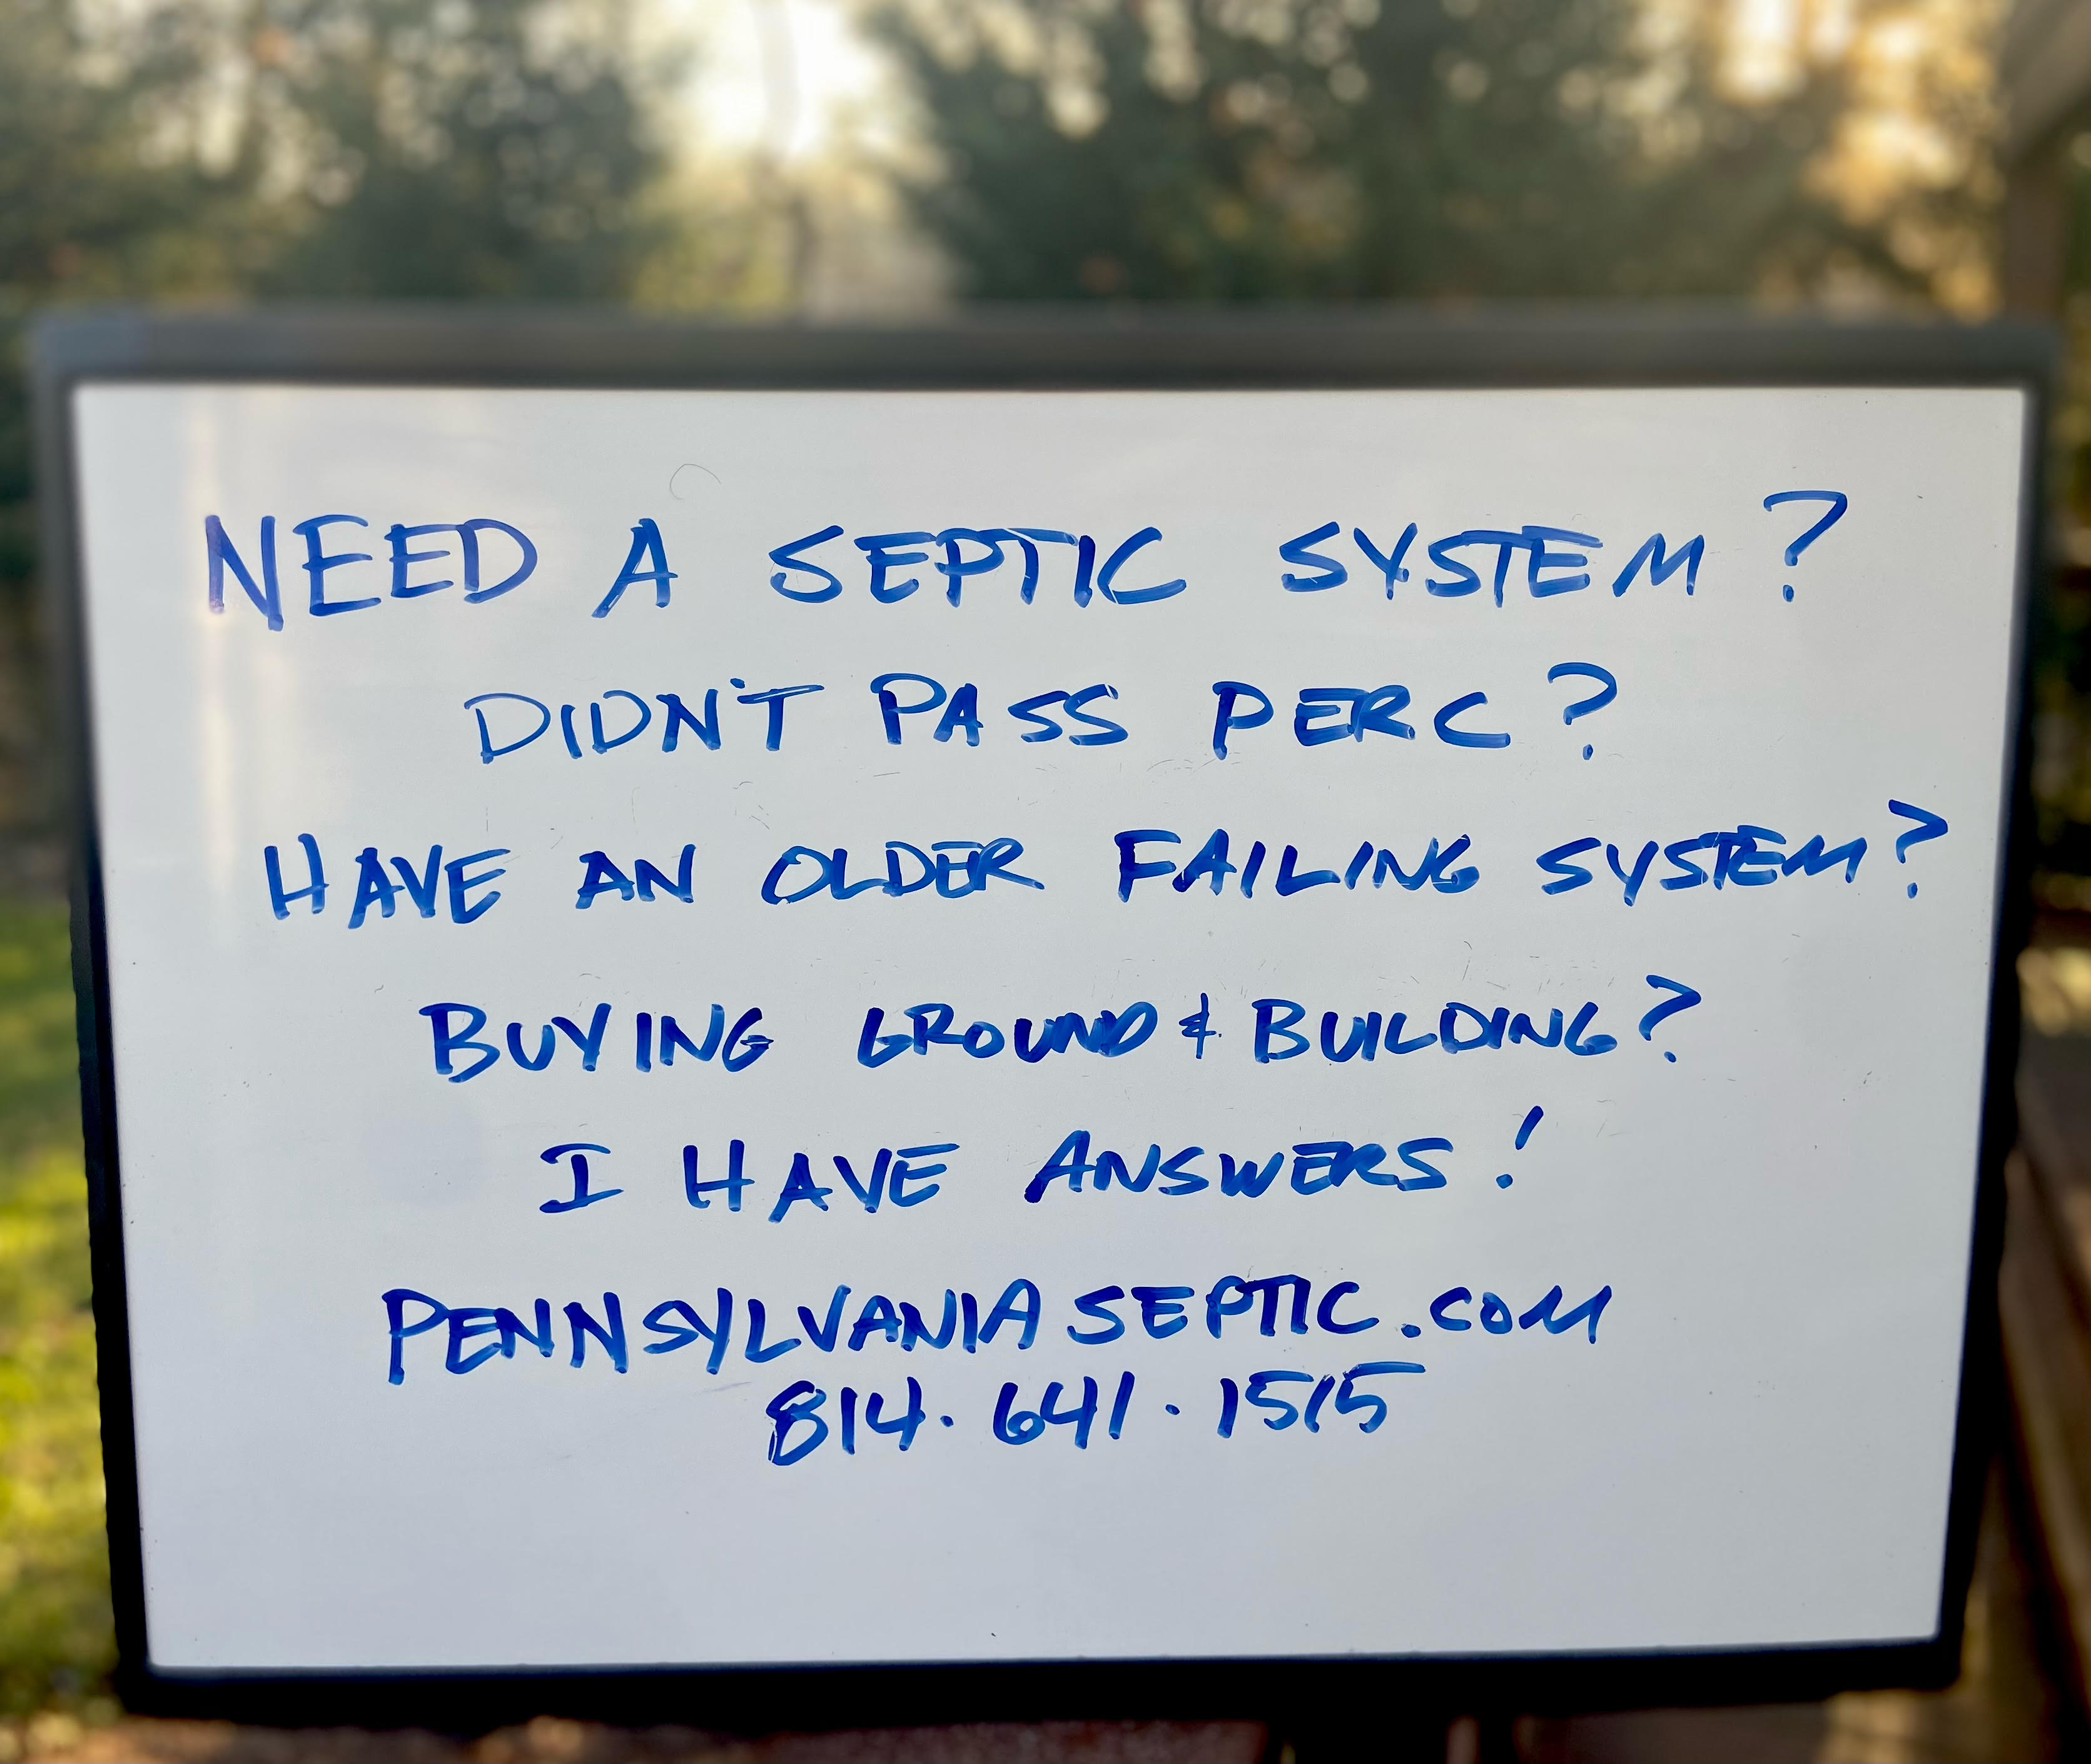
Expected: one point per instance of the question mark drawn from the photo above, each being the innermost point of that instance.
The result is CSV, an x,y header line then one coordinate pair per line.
x,y
1837,501
1685,1000
1590,670
1929,826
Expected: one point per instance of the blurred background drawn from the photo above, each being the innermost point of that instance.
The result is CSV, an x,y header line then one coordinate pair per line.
x,y
906,159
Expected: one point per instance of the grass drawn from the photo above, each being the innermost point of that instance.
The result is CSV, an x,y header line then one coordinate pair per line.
x,y
56,1642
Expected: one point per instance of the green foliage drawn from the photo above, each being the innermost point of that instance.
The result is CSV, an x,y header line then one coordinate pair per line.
x,y
310,149
39,1058
86,209
90,206
1244,149
326,149
56,1642
493,149
314,149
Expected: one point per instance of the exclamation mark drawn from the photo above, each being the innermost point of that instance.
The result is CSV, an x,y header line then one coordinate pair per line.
x,y
1524,1133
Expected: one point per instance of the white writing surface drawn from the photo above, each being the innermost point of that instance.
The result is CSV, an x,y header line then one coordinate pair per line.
x,y
806,1026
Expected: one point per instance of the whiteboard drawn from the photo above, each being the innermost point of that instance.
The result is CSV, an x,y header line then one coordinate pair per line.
x,y
1347,1251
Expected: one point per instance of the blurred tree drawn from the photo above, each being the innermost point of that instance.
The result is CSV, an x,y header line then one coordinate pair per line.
x,y
479,148
320,149
315,148
1238,149
95,199
91,202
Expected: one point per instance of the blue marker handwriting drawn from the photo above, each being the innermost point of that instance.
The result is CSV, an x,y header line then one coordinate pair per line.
x,y
461,889
1461,1028
503,723
1213,863
419,560
1266,1306
602,875
1317,1166
1748,855
802,1420
957,867
1042,711
885,1179
1108,1033
412,561
679,1324
808,567
459,1055
508,722
426,883
1275,1033
1323,714
1542,560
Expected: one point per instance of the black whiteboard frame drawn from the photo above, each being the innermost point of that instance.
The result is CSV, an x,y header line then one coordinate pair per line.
x,y
1104,348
